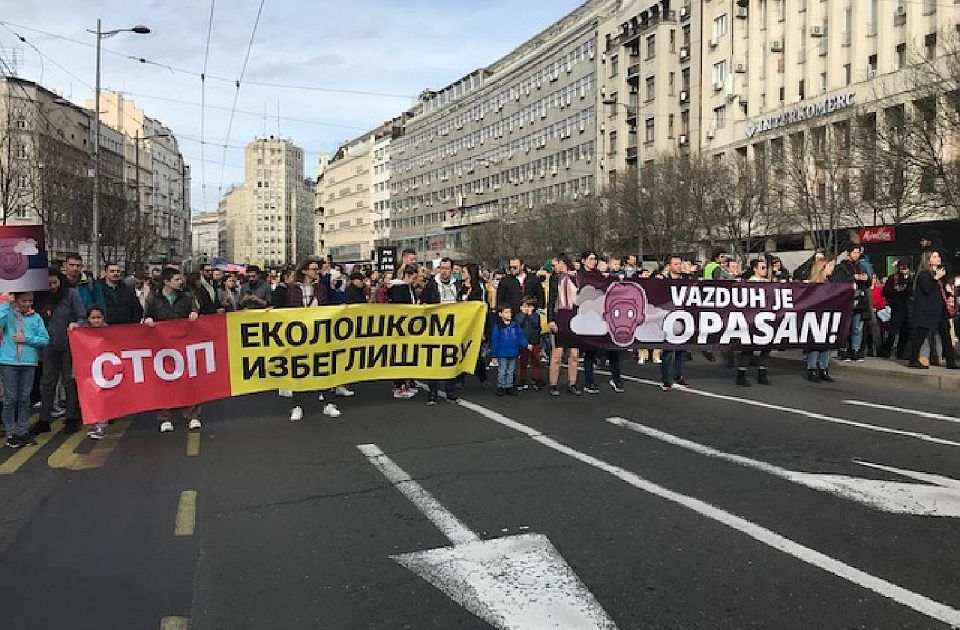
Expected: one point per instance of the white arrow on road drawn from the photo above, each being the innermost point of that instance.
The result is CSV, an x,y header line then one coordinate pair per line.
x,y
517,582
936,496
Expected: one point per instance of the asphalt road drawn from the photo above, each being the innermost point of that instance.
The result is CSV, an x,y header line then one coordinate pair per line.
x,y
295,527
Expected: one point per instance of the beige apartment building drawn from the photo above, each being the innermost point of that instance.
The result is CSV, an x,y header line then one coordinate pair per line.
x,y
205,233
353,196
156,174
269,220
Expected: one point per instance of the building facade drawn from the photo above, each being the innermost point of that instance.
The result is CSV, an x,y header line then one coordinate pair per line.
x,y
269,220
502,140
205,233
353,196
156,175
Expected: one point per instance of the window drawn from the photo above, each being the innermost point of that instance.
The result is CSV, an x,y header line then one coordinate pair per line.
x,y
651,89
847,27
720,116
670,82
847,74
901,56
686,35
823,82
648,130
719,72
685,79
614,65
801,91
673,40
720,26
613,142
651,46
871,66
873,17
670,126
930,45
21,151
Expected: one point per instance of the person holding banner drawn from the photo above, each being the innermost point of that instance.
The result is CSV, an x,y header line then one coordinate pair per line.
x,y
401,292
23,334
589,275
170,303
442,289
759,272
818,361
563,297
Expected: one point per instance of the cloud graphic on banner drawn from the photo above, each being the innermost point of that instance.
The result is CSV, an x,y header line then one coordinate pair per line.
x,y
27,247
589,323
652,328
590,294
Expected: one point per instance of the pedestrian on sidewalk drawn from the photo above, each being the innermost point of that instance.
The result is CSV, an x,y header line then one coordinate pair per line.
x,y
171,303
506,341
931,311
23,334
898,291
818,361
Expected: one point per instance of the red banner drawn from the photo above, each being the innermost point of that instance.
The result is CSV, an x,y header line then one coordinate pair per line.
x,y
879,234
136,367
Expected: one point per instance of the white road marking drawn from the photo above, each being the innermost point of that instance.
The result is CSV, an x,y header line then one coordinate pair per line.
x,y
915,601
512,583
937,496
813,415
913,412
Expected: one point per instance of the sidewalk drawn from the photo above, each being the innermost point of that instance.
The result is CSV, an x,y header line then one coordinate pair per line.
x,y
886,369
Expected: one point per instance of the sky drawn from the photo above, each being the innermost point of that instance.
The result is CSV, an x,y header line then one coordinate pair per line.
x,y
389,50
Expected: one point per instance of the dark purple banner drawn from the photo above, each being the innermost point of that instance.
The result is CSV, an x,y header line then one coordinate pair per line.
x,y
651,313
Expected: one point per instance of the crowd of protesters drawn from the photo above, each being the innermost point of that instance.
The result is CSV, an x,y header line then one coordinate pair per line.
x,y
912,313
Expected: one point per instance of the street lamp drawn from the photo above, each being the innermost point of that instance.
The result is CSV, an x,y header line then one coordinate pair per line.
x,y
101,35
615,103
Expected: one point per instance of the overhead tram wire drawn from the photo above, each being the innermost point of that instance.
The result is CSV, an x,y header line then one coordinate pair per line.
x,y
203,108
236,95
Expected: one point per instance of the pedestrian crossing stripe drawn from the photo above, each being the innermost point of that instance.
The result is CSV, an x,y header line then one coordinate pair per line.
x,y
19,458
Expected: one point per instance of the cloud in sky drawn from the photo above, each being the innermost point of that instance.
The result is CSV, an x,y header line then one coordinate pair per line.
x,y
366,45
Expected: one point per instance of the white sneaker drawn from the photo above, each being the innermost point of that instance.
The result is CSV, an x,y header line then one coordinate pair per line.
x,y
194,424
410,392
320,397
166,427
344,392
296,414
285,393
641,360
331,410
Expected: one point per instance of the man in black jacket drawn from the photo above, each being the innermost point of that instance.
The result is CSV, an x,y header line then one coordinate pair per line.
x,y
850,270
517,285
897,291
122,305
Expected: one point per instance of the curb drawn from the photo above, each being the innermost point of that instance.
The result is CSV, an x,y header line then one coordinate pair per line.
x,y
934,378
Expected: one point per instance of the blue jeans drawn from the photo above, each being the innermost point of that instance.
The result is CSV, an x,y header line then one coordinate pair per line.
x,y
818,359
613,358
17,384
505,370
671,359
856,333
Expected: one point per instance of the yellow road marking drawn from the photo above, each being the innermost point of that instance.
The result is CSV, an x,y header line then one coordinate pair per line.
x,y
186,514
65,457
193,444
18,459
174,623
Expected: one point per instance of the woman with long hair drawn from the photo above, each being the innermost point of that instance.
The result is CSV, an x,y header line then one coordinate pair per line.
x,y
930,309
473,289
818,361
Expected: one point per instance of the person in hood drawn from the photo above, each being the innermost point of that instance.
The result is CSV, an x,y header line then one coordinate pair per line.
x,y
61,309
23,335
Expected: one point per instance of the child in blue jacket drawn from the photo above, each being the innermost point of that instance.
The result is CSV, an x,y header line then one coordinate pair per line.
x,y
23,334
506,340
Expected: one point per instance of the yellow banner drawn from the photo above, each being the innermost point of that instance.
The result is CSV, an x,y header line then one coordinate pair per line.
x,y
305,349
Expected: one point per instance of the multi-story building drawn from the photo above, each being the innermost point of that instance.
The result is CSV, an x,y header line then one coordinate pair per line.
x,y
156,174
206,236
270,218
502,140
353,196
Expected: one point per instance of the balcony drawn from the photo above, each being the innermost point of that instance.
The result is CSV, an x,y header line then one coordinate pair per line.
x,y
463,217
636,27
631,115
632,155
633,73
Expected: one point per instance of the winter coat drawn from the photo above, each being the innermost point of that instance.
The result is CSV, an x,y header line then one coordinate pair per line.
x,y
294,294
432,293
530,325
90,293
355,295
58,317
401,293
208,304
898,300
928,305
34,332
510,292
161,309
121,304
506,340
262,290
